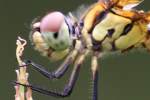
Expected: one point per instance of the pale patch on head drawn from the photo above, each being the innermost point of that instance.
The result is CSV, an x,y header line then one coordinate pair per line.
x,y
36,25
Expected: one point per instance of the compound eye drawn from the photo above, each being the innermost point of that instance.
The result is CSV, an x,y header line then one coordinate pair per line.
x,y
52,22
55,31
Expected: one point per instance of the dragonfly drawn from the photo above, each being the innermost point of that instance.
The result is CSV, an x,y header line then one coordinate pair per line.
x,y
105,26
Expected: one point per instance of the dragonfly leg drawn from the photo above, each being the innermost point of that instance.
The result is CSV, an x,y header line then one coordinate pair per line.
x,y
63,67
94,68
71,83
87,38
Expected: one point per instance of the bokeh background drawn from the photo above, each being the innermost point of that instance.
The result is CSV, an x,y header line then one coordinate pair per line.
x,y
122,76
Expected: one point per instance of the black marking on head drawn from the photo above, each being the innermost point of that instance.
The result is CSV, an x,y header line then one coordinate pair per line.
x,y
127,28
111,31
55,35
37,29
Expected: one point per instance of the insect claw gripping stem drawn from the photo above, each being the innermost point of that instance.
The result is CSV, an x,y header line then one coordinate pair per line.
x,y
61,70
48,74
40,90
27,62
56,74
71,83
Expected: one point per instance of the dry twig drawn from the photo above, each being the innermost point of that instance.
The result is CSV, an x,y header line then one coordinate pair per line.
x,y
22,75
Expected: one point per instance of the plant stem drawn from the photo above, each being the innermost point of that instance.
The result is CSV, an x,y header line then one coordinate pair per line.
x,y
22,75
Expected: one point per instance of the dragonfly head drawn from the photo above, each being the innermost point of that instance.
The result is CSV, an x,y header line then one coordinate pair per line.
x,y
55,31
51,33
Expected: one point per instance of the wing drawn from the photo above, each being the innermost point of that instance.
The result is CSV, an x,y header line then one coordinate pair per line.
x,y
131,5
125,4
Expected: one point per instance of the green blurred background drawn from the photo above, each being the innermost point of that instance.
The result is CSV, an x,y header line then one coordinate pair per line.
x,y
122,77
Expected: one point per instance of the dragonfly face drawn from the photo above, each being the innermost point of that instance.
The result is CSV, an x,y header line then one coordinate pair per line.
x,y
51,35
